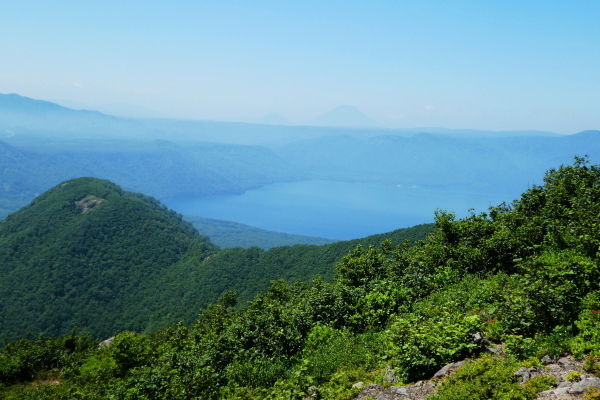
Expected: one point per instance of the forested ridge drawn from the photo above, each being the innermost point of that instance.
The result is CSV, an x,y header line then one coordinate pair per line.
x,y
521,278
228,234
89,254
86,254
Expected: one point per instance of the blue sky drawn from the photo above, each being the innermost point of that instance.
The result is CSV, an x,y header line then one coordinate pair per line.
x,y
500,65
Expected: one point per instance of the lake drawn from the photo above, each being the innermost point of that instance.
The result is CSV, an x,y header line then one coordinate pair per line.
x,y
336,210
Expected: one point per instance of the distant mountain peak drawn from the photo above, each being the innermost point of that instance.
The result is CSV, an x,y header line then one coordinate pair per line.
x,y
16,104
13,102
344,116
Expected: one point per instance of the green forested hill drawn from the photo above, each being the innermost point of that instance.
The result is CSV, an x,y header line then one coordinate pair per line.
x,y
520,280
194,283
86,253
89,254
250,271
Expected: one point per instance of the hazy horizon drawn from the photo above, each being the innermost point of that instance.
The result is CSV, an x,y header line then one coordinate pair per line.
x,y
458,65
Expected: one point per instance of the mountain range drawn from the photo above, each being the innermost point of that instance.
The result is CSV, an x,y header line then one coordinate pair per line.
x,y
503,304
494,295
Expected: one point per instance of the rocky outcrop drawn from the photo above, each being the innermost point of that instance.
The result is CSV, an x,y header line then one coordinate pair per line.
x,y
561,369
419,391
572,382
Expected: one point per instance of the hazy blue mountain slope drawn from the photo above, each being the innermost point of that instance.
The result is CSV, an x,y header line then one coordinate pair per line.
x,y
343,115
25,174
24,117
22,113
426,159
159,169
227,234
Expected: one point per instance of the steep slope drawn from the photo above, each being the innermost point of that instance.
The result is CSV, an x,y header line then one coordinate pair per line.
x,y
86,254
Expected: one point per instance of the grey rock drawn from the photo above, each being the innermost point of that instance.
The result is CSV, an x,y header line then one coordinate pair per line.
x,y
106,343
374,386
446,370
401,390
358,385
563,384
564,361
479,339
492,350
554,392
313,393
522,375
562,390
419,391
548,360
579,387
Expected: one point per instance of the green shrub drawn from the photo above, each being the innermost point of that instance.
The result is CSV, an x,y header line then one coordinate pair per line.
x,y
587,340
490,377
424,342
574,376
592,393
591,365
329,350
23,359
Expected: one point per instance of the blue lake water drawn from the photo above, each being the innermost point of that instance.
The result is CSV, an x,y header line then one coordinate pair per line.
x,y
335,210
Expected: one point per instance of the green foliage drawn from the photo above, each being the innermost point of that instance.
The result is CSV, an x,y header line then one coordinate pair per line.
x,y
592,393
574,376
23,360
425,340
490,378
328,350
524,275
587,340
94,264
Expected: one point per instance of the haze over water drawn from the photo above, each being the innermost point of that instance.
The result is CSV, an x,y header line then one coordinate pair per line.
x,y
335,210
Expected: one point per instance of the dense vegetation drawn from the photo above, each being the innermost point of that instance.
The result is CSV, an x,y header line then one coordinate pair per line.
x,y
92,255
250,271
88,254
524,275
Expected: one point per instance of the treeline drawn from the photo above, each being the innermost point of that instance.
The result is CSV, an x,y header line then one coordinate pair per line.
x,y
523,275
